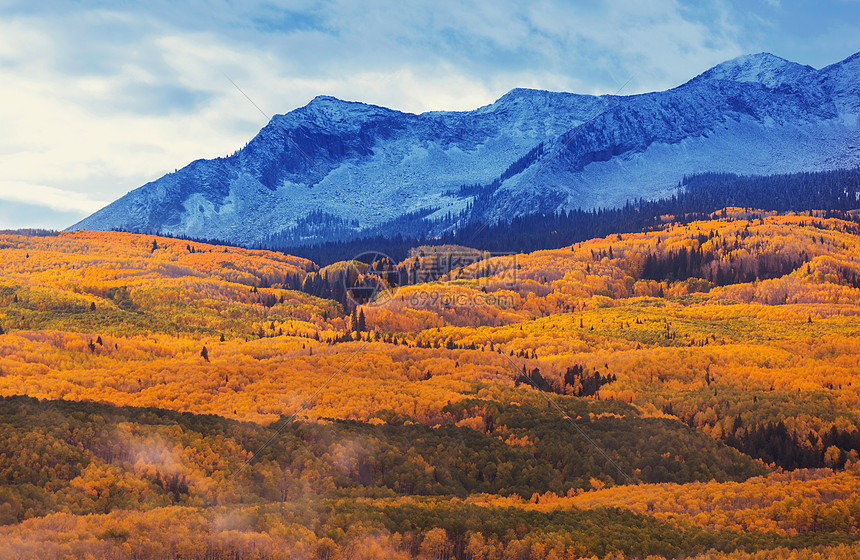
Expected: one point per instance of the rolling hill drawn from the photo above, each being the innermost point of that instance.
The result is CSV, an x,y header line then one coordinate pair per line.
x,y
689,391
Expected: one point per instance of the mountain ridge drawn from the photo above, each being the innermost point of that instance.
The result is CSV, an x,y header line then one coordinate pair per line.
x,y
366,168
765,68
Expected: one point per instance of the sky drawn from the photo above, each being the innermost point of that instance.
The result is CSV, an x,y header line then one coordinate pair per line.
x,y
101,97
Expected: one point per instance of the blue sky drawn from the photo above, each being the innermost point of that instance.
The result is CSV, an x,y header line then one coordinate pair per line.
x,y
100,97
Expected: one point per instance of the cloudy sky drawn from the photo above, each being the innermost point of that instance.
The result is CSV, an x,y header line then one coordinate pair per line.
x,y
99,97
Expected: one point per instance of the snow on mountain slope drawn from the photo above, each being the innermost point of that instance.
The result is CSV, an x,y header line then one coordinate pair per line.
x,y
335,169
763,68
841,81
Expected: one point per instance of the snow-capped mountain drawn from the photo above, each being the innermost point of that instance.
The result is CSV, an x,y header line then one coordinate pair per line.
x,y
336,169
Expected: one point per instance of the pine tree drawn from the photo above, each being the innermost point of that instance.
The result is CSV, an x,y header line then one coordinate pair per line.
x,y
353,321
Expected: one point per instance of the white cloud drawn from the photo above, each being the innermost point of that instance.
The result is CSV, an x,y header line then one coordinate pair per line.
x,y
101,134
56,199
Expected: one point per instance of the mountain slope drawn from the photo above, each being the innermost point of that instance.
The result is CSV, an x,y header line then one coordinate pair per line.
x,y
334,169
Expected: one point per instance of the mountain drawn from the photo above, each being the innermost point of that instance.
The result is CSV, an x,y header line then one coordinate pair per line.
x,y
338,169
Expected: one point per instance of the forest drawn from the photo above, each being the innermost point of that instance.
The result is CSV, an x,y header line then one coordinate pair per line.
x,y
686,389
695,198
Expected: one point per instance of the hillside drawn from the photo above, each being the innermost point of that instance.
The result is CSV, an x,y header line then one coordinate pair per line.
x,y
693,386
334,170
